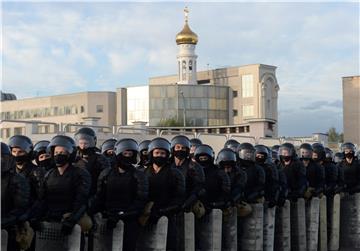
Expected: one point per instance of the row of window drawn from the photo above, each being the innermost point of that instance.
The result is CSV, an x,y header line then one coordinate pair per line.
x,y
47,112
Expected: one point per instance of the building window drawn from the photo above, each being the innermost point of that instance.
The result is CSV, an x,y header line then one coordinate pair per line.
x,y
248,110
82,109
270,126
190,65
5,133
235,94
18,130
99,108
183,70
247,85
235,113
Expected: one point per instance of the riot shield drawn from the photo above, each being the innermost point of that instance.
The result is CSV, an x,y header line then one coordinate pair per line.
x,y
333,206
312,223
251,227
51,238
350,222
154,237
282,228
298,225
229,230
4,239
269,228
322,225
210,228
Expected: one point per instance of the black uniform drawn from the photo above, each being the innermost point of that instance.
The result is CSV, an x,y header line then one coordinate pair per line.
x,y
66,193
167,191
238,180
351,172
194,179
255,180
122,192
334,179
296,178
272,187
315,175
15,195
283,186
94,162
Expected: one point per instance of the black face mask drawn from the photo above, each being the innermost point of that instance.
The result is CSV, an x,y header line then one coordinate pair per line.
x,y
260,160
180,154
191,155
86,151
126,162
61,159
45,163
286,158
349,155
160,161
206,163
21,159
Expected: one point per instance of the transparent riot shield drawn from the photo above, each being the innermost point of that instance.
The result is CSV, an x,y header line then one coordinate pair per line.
x,y
312,224
269,228
350,222
333,207
282,228
298,225
210,230
229,229
251,227
154,237
51,238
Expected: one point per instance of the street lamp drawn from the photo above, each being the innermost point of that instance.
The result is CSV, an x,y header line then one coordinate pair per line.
x,y
184,108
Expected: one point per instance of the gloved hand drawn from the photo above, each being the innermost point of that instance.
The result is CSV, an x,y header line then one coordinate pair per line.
x,y
67,227
111,222
154,216
198,209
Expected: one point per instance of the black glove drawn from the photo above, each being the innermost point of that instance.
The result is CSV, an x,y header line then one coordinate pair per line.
x,y
154,216
67,227
36,225
111,222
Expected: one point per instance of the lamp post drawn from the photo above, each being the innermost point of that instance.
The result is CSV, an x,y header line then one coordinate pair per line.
x,y
184,109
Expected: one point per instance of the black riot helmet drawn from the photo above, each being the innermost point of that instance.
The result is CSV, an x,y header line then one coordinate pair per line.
x,y
348,145
87,134
338,157
305,151
319,149
144,145
5,158
226,156
108,145
329,155
233,144
159,143
275,148
261,149
40,147
275,156
246,152
126,144
66,142
203,150
5,150
195,142
22,142
180,139
287,147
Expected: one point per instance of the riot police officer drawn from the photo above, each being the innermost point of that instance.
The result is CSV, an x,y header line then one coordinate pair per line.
x,y
166,187
338,157
294,170
41,156
22,149
217,182
194,142
350,167
315,173
143,150
107,149
15,196
193,172
66,188
122,192
254,190
226,160
88,156
272,188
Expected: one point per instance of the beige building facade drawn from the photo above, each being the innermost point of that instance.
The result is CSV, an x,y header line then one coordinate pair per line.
x,y
351,108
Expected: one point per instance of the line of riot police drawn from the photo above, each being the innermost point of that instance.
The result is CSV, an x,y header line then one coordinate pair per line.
x,y
70,180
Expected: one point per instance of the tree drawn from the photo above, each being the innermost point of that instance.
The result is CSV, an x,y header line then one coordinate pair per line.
x,y
334,136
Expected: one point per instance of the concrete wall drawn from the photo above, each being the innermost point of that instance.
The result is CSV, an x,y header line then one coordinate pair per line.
x,y
351,109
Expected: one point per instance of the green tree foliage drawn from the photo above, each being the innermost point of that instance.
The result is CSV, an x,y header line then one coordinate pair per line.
x,y
334,136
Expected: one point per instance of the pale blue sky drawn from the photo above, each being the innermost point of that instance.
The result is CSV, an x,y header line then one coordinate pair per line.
x,y
70,47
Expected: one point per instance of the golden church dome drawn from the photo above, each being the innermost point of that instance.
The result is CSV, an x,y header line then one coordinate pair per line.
x,y
186,35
